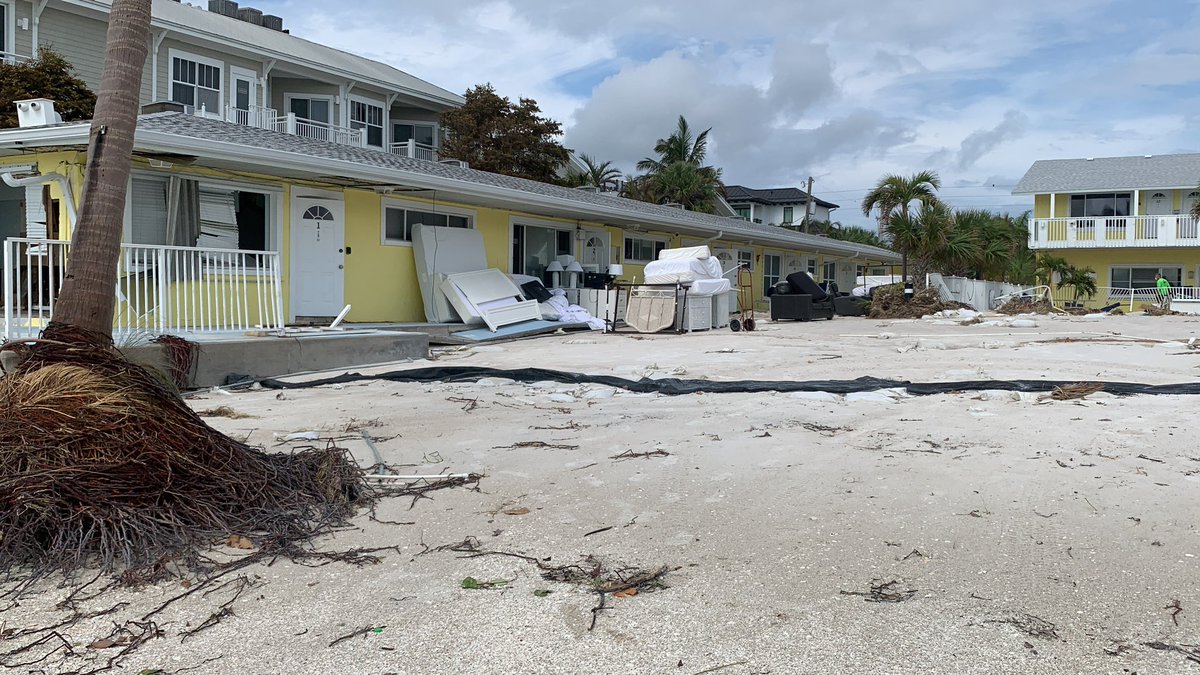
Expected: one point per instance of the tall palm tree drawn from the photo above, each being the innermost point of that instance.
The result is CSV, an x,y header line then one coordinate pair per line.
x,y
932,238
678,147
895,194
1048,266
693,187
87,300
602,175
678,175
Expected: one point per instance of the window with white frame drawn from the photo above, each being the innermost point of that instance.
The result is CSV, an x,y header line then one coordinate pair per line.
x,y
745,258
788,212
830,272
7,30
367,116
400,217
534,247
197,81
772,271
811,267
639,250
423,133
1125,278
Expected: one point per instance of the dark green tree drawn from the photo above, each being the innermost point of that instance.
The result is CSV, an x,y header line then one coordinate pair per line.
x,y
47,76
598,174
678,175
492,134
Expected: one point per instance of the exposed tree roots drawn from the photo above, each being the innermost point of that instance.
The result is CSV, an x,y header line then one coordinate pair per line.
x,y
106,468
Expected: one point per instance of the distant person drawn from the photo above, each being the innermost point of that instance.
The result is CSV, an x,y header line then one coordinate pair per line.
x,y
1164,290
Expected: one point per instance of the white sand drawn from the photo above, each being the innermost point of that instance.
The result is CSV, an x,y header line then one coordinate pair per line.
x,y
990,506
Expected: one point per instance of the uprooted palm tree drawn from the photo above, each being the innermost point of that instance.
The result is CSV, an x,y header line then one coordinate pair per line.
x,y
894,195
104,464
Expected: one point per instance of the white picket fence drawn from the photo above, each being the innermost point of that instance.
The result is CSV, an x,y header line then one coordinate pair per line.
x,y
160,289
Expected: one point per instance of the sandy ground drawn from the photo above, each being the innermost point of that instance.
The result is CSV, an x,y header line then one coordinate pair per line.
x,y
1034,536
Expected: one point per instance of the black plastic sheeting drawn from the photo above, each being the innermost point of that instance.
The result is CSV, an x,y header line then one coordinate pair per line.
x,y
677,387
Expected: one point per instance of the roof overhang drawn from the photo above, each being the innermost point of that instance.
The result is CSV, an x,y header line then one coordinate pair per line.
x,y
292,165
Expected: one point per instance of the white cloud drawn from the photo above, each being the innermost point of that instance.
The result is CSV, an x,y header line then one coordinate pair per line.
x,y
841,91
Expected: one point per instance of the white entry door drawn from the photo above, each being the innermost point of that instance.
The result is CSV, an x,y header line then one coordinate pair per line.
x,y
318,261
595,250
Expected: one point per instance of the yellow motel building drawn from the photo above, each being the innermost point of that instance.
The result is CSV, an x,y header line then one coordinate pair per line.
x,y
292,228
1126,218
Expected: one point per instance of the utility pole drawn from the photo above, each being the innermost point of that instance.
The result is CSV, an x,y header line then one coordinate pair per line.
x,y
808,205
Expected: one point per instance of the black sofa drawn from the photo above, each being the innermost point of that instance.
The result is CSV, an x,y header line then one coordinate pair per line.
x,y
800,299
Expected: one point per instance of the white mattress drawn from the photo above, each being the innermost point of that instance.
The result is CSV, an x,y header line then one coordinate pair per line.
x,y
699,252
709,287
684,271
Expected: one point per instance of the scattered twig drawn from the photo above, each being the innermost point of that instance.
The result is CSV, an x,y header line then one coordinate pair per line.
x,y
721,667
1189,652
536,444
1176,609
1031,625
603,529
363,632
596,610
881,591
629,454
1073,391
1151,459
1035,512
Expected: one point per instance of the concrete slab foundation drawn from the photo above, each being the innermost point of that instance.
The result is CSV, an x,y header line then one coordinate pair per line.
x,y
226,359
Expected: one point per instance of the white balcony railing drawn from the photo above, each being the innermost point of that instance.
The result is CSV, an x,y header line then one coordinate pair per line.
x,y
414,150
1114,232
160,289
255,116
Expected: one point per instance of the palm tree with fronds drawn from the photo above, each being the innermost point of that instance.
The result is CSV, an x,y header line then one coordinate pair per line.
x,y
894,195
1048,267
931,237
678,147
1081,280
678,175
602,175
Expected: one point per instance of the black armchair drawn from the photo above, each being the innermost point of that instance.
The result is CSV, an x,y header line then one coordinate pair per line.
x,y
800,299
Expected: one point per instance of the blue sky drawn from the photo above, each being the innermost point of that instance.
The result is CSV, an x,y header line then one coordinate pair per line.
x,y
845,92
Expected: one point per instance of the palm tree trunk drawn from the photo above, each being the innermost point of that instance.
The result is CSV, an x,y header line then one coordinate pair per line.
x,y
88,297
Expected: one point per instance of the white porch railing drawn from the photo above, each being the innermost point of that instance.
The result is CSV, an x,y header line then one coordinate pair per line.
x,y
255,116
322,131
160,289
414,150
1114,232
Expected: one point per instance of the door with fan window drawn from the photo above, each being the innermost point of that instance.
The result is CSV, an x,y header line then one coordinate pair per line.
x,y
317,268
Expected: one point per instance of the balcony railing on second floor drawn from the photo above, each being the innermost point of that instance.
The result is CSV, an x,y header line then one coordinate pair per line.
x,y
414,150
1114,232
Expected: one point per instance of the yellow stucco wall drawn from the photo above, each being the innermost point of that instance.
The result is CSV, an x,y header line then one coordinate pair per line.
x,y
380,279
1102,260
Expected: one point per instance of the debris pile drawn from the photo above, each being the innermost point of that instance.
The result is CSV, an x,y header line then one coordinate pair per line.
x,y
1155,310
887,302
106,467
1017,306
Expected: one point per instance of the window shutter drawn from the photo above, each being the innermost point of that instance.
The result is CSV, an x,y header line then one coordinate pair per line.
x,y
218,220
149,211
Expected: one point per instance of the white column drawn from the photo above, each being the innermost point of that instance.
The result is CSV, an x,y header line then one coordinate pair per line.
x,y
1134,211
1052,213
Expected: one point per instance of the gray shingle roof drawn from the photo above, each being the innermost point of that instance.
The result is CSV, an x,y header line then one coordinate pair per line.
x,y
203,128
790,195
384,168
1110,173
